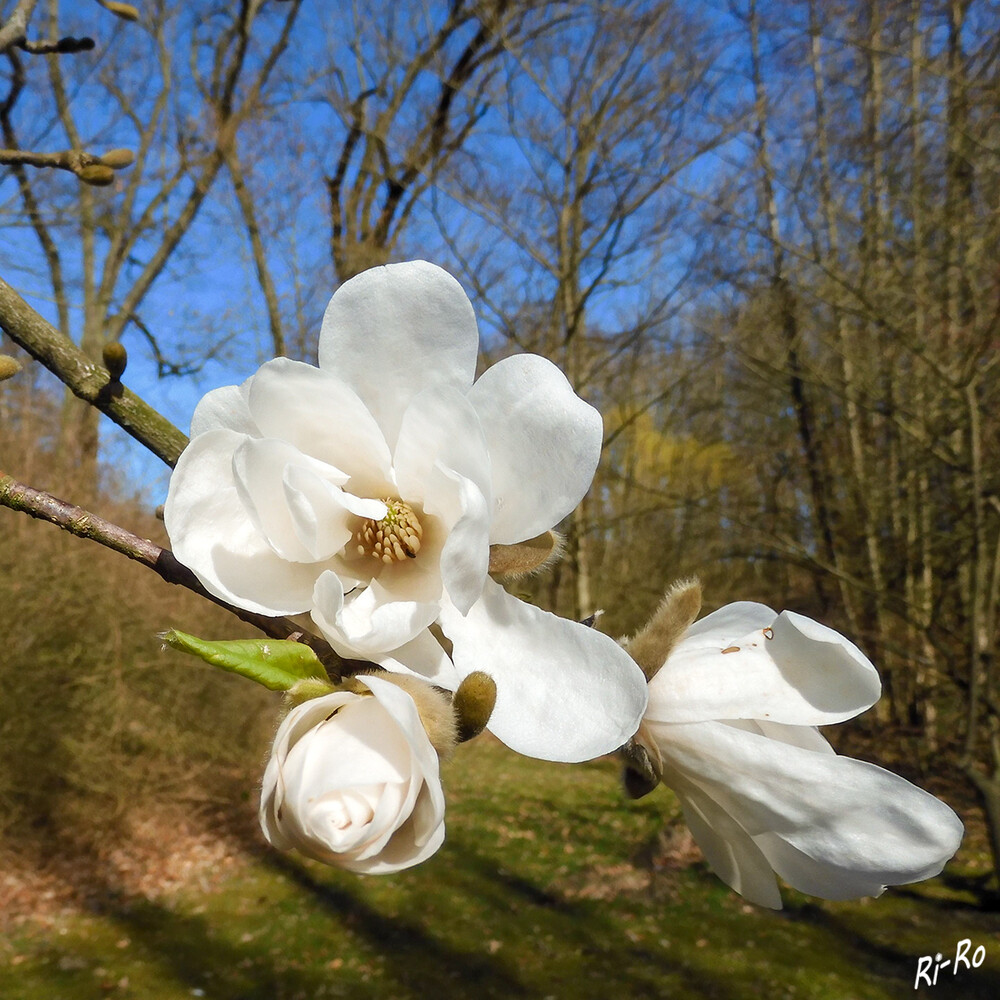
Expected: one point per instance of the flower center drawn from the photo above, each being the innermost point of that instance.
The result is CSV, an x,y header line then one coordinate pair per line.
x,y
395,538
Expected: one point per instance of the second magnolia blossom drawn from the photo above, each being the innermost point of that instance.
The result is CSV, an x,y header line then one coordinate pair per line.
x,y
731,726
352,781
367,493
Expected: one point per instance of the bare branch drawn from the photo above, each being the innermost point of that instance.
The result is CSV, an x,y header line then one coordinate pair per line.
x,y
84,524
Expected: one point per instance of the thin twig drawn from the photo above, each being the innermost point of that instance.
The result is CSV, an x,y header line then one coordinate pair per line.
x,y
84,524
73,160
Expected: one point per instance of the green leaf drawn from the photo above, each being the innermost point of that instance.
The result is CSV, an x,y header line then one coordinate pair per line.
x,y
278,664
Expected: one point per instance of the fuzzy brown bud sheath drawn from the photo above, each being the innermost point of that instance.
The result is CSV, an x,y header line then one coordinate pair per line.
x,y
652,645
525,557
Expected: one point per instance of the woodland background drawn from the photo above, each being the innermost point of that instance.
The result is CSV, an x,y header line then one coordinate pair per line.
x,y
761,237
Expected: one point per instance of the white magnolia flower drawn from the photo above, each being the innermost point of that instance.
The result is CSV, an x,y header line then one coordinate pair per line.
x,y
353,782
368,491
733,713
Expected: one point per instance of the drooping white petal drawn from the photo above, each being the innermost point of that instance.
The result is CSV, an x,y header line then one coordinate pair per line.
x,y
829,825
544,444
395,330
224,408
214,535
564,691
791,670
367,623
728,848
322,416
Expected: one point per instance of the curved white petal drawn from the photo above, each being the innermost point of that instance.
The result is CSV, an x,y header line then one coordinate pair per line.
x,y
423,833
224,408
395,330
367,623
441,460
214,535
544,444
792,670
465,556
829,825
564,691
728,848
322,416
440,427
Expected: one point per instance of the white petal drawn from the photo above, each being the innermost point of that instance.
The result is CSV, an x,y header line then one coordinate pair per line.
x,y
324,516
829,825
395,330
728,848
224,409
441,460
564,691
259,466
323,417
422,657
544,444
440,426
792,670
367,623
465,557
214,535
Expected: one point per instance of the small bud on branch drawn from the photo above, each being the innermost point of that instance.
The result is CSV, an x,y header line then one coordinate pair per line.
x,y
9,367
115,359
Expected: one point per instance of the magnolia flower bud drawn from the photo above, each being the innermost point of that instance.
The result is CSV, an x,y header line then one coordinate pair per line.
x,y
115,359
9,367
353,781
118,158
123,10
96,174
473,703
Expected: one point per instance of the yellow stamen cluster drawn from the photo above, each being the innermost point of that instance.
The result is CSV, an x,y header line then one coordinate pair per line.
x,y
395,538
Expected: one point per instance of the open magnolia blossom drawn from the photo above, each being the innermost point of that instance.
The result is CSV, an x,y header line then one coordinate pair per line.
x,y
353,781
368,491
732,716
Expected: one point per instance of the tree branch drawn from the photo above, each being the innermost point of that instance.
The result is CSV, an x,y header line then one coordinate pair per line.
x,y
90,381
84,524
16,28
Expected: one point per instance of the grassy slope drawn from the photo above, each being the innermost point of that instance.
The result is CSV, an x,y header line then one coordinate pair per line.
x,y
506,909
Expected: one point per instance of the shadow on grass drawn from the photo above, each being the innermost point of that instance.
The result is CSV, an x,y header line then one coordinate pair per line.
x,y
893,963
551,946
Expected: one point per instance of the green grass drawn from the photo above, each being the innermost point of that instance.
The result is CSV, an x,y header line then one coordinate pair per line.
x,y
507,908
